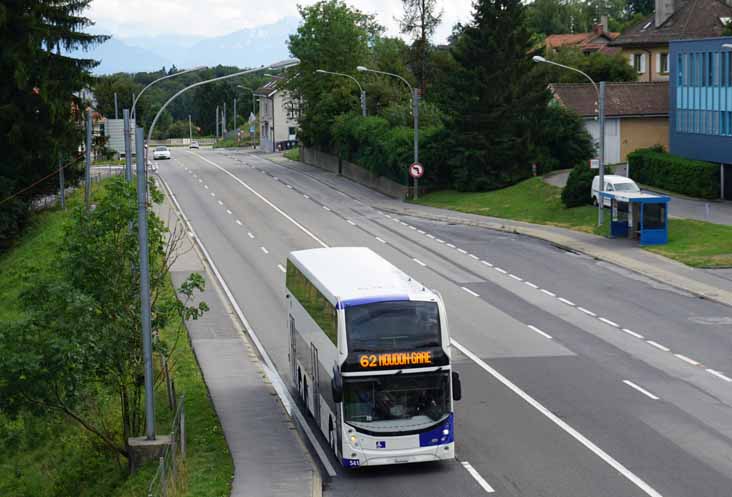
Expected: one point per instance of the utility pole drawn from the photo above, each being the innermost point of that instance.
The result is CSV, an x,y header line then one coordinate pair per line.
x,y
190,129
217,124
601,186
415,111
61,185
235,130
128,145
87,157
116,115
145,285
223,122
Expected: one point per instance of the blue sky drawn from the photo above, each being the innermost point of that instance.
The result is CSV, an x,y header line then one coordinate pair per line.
x,y
209,18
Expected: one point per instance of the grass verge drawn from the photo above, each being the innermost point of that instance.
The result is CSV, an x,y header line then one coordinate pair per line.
x,y
694,243
292,154
51,456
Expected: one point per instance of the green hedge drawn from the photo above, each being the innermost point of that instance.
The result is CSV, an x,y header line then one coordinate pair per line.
x,y
653,167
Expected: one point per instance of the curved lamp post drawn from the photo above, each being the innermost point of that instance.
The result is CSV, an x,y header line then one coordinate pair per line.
x,y
254,108
363,93
415,111
601,117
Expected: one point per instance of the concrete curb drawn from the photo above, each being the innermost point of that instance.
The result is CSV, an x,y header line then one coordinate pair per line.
x,y
697,289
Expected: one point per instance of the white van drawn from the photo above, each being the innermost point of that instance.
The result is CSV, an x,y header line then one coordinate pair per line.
x,y
613,183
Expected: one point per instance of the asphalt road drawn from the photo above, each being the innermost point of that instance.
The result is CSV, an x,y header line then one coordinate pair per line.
x,y
578,379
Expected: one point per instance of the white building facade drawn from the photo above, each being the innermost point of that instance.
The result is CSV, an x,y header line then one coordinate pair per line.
x,y
278,117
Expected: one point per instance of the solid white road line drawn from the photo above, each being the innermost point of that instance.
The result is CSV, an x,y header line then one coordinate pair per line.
x,y
587,311
640,389
547,292
250,235
607,458
611,323
381,240
419,262
535,287
261,197
471,292
688,360
487,263
633,333
719,375
502,271
565,301
658,345
238,222
264,249
481,481
279,266
545,335
269,368
513,276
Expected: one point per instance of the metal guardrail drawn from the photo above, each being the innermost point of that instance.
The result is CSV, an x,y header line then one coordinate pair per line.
x,y
169,479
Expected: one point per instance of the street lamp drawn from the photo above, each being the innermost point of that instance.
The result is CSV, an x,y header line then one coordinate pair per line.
x,y
415,105
179,73
363,93
601,116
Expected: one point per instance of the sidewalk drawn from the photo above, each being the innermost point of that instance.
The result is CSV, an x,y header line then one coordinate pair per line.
x,y
712,211
269,458
716,286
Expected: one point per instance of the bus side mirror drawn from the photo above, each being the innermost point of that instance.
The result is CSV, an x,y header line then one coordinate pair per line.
x,y
457,389
336,385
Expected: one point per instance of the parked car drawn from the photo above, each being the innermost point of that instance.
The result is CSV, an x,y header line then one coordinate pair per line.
x,y
193,145
161,153
613,183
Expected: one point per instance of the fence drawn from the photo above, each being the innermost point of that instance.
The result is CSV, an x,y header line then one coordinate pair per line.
x,y
169,479
97,174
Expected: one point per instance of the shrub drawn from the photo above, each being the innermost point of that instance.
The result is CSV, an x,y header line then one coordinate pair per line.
x,y
560,140
577,190
653,167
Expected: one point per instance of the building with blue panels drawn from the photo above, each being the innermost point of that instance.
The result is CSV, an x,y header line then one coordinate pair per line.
x,y
700,113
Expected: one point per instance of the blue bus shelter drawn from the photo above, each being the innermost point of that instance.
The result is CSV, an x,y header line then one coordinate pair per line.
x,y
639,216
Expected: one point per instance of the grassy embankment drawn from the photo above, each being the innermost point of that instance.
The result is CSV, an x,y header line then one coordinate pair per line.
x,y
51,456
292,154
694,243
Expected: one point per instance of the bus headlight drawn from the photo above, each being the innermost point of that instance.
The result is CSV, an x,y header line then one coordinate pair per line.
x,y
354,440
445,431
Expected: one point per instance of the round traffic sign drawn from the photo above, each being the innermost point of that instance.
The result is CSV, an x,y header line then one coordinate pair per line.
x,y
416,170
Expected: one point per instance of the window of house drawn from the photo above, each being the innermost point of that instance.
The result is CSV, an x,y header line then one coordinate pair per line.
x,y
639,62
663,63
293,110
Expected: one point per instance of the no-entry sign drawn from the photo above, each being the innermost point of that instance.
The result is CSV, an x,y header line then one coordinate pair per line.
x,y
416,170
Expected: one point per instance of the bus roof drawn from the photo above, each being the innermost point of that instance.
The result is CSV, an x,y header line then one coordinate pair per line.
x,y
357,275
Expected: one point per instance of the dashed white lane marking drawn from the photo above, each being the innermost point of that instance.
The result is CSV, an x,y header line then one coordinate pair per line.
x,y
250,235
565,301
351,223
306,196
402,223
419,262
719,375
473,256
547,292
471,292
220,202
430,236
587,311
451,245
388,215
239,222
535,287
205,186
412,227
439,241
398,221
275,178
213,194
476,476
421,232
500,270
537,330
279,266
658,345
201,181
228,211
264,249
607,458
462,251
487,263
611,323
289,186
640,389
381,240
633,333
688,360
326,208
513,276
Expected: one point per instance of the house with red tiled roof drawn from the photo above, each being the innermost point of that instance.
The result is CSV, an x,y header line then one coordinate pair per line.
x,y
636,114
646,45
597,40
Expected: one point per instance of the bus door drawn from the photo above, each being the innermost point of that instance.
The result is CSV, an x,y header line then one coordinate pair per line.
x,y
293,352
316,382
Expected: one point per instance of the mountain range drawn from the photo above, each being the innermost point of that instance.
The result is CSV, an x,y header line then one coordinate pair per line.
x,y
248,47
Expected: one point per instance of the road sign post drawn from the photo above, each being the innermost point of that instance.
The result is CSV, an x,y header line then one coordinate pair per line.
x,y
416,171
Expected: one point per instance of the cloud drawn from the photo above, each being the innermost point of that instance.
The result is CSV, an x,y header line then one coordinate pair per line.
x,y
209,18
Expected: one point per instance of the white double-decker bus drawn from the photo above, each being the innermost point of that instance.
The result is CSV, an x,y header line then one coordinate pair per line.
x,y
370,357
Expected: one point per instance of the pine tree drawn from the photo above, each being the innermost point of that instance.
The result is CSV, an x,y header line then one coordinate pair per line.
x,y
36,92
495,97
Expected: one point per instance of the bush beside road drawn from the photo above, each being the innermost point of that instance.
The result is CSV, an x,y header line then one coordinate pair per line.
x,y
694,243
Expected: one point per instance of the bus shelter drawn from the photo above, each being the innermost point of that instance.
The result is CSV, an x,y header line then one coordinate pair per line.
x,y
639,216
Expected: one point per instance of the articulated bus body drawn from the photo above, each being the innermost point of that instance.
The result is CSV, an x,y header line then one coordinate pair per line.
x,y
370,357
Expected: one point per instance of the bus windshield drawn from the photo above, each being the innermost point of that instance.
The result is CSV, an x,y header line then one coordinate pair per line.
x,y
391,326
396,403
